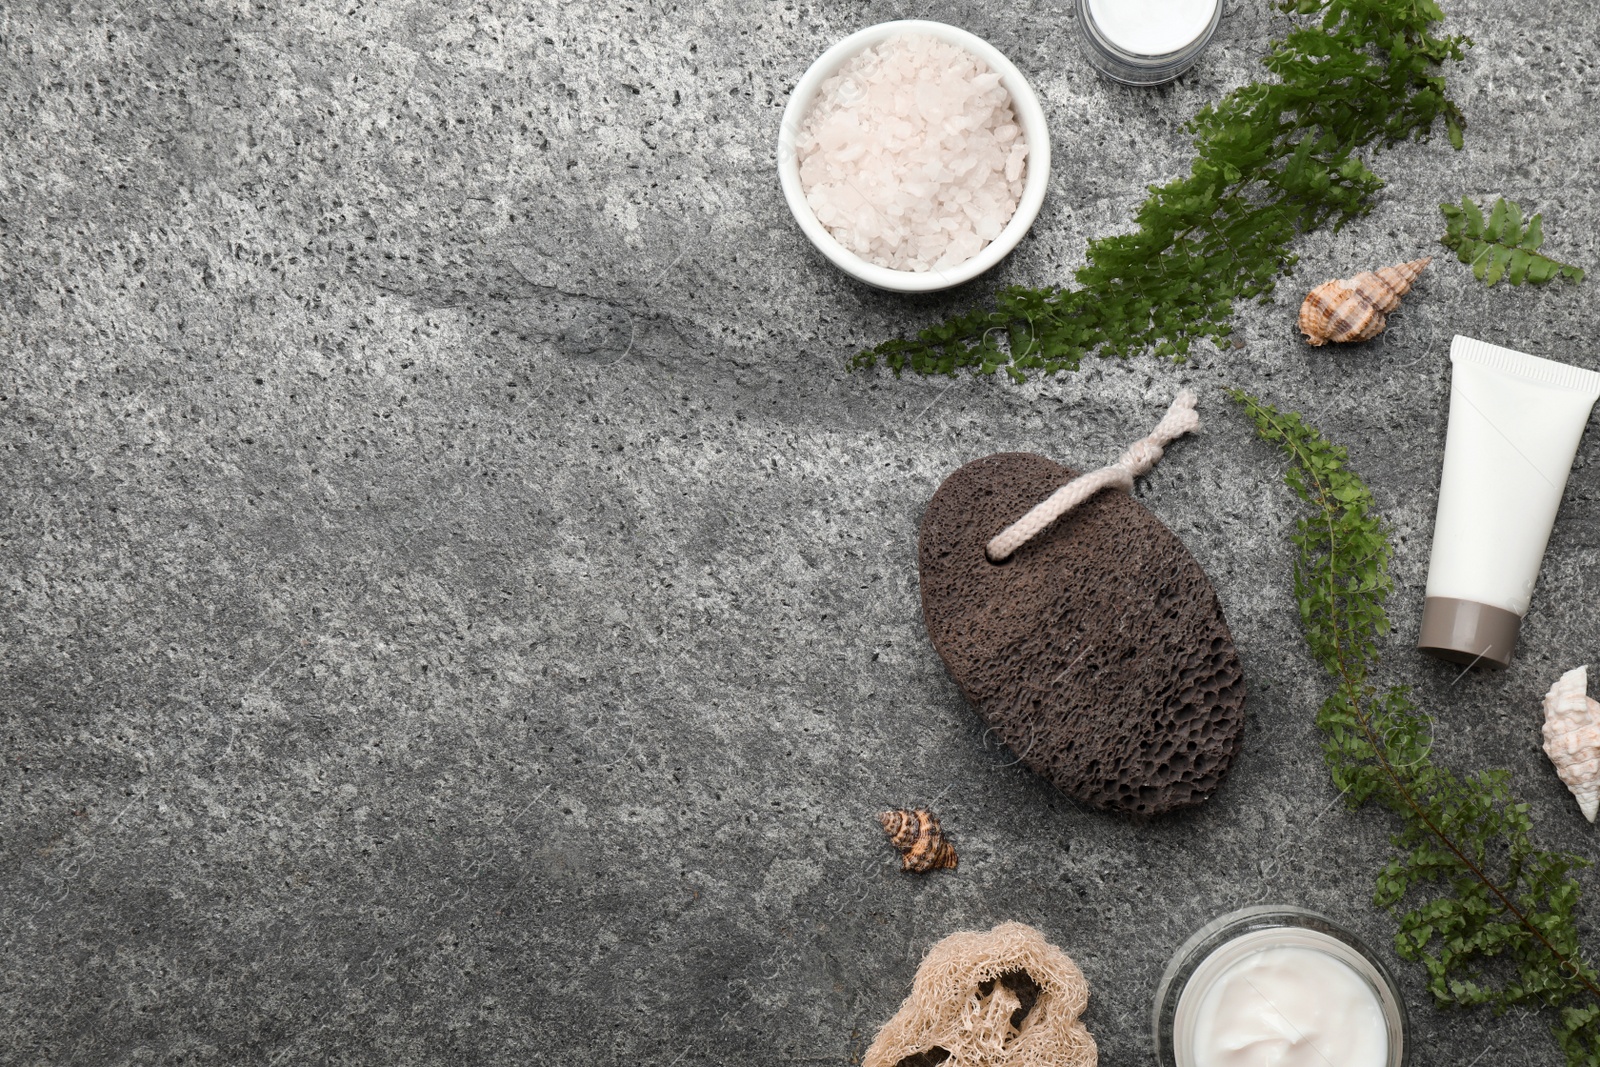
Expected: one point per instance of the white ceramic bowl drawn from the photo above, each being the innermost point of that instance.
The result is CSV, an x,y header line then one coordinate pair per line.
x,y
1030,116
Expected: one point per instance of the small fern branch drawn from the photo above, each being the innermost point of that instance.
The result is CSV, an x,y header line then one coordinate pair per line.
x,y
1501,246
1489,916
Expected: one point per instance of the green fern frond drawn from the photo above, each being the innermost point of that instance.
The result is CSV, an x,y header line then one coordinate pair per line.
x,y
1500,246
1487,914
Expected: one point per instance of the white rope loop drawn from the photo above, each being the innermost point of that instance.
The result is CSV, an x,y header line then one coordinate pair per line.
x,y
1139,458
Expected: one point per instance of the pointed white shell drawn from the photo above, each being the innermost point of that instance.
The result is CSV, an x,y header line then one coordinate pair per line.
x,y
1572,737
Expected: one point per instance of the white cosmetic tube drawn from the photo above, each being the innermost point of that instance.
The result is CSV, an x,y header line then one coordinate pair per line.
x,y
1515,421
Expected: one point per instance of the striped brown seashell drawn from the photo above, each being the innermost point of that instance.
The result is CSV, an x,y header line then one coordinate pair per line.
x,y
922,844
1356,309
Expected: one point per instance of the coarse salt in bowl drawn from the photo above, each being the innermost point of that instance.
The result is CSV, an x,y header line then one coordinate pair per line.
x,y
1029,117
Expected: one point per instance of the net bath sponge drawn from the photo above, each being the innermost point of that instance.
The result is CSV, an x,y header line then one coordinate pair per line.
x,y
1007,998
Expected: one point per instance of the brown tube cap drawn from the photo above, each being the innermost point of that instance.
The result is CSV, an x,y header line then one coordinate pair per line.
x,y
1467,632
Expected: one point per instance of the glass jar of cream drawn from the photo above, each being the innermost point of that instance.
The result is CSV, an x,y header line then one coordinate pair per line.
x,y
1282,985
1146,42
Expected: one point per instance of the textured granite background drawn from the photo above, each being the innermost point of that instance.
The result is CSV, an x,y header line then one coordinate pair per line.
x,y
458,608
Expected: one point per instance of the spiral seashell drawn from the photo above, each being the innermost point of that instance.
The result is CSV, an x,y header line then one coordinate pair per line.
x,y
922,844
1572,737
1356,309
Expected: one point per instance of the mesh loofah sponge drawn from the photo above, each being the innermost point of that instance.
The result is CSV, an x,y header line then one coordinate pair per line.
x,y
1098,652
1007,998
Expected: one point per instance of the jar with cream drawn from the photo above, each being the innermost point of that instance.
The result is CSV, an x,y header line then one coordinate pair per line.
x,y
1278,986
1146,42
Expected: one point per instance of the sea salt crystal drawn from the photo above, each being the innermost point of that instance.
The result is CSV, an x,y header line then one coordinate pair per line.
x,y
911,156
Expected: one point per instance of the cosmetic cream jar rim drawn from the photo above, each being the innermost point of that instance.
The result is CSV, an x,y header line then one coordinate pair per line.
x,y
1134,68
1224,941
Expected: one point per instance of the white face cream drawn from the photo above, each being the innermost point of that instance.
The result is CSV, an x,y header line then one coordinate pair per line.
x,y
1277,986
1152,27
1289,1007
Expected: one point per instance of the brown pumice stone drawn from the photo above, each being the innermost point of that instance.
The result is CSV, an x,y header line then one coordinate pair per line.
x,y
1098,652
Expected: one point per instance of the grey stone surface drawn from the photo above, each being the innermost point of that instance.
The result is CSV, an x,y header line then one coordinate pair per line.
x,y
459,609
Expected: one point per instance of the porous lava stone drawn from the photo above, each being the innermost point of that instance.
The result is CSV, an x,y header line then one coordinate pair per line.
x,y
1098,652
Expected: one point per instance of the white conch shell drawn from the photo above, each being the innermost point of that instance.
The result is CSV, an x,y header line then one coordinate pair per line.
x,y
1572,737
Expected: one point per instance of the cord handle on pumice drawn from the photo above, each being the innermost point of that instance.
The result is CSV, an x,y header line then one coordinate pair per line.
x,y
1139,458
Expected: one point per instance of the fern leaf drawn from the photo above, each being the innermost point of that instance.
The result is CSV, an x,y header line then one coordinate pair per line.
x,y
1520,262
1533,240
1499,260
1497,222
1501,247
